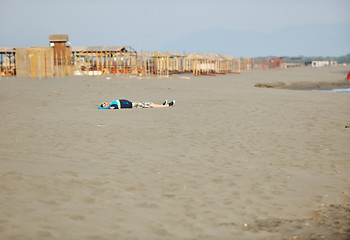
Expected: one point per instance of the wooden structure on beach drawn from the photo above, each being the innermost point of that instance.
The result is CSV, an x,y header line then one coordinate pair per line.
x,y
34,62
7,61
55,60
100,60
60,59
62,55
211,63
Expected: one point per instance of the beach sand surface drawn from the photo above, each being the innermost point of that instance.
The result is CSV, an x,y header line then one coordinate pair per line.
x,y
229,161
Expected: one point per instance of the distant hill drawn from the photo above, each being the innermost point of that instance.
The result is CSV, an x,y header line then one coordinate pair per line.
x,y
311,40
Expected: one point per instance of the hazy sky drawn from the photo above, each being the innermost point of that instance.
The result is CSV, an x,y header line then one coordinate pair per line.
x,y
108,22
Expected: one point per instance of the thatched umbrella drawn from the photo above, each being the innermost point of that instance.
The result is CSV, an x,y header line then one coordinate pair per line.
x,y
227,57
159,54
212,57
175,54
194,56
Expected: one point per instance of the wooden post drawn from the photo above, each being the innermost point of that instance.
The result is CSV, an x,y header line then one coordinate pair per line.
x,y
6,71
206,66
61,61
66,63
106,64
124,64
87,69
157,66
239,64
39,56
97,63
45,65
199,67
116,64
160,66
53,65
39,65
1,64
148,64
167,67
52,61
59,69
110,62
32,63
194,67
57,66
18,70
199,70
178,64
145,59
92,64
103,64
154,66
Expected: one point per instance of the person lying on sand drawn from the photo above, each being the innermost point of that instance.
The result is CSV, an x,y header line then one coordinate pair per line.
x,y
123,103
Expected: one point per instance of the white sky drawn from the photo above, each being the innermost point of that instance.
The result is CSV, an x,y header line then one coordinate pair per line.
x,y
29,22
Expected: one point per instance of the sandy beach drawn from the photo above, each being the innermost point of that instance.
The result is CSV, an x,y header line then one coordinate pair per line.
x,y
240,156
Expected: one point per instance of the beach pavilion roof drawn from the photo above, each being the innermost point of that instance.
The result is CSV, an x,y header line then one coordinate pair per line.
x,y
58,38
194,56
145,54
212,57
159,54
7,49
175,54
102,49
227,57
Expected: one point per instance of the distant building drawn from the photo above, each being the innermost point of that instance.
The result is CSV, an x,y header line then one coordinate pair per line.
x,y
277,63
322,63
292,62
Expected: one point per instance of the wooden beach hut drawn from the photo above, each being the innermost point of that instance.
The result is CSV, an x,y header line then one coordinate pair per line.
x,y
38,62
144,62
176,62
7,61
23,62
62,54
160,63
212,63
230,64
54,60
192,63
99,60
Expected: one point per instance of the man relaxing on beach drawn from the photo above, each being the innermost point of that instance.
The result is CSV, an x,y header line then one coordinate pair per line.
x,y
123,103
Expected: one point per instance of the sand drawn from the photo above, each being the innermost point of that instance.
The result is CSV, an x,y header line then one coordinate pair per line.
x,y
229,161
